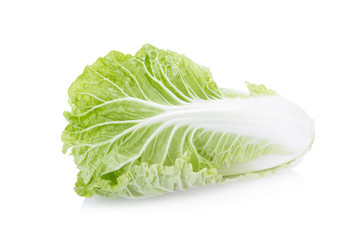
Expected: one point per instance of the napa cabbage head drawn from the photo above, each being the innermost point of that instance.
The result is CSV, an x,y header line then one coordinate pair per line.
x,y
157,122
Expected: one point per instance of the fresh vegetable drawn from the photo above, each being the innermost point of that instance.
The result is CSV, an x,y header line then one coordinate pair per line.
x,y
156,122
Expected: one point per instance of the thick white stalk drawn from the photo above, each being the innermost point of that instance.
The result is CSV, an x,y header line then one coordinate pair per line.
x,y
272,118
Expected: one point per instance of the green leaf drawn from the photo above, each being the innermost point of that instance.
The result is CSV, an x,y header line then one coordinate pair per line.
x,y
156,122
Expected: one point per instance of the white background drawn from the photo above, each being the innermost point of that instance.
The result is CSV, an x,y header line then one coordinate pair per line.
x,y
308,51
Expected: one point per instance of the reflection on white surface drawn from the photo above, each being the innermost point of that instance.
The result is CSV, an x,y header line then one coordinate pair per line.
x,y
283,183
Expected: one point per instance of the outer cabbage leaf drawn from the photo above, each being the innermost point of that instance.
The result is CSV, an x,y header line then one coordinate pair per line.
x,y
156,122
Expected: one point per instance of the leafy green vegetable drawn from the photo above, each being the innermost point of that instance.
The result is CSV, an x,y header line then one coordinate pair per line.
x,y
156,122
